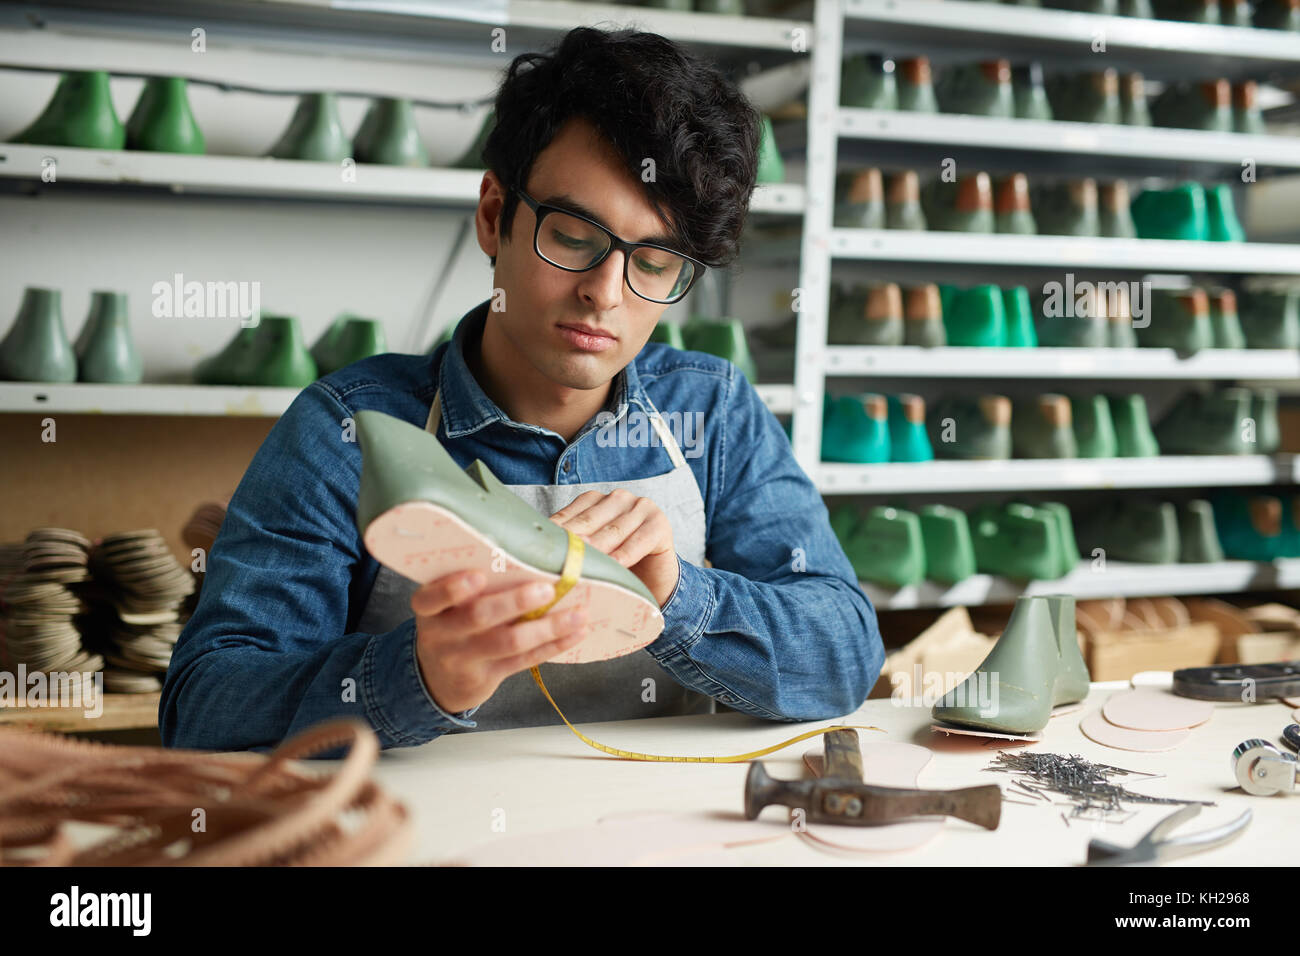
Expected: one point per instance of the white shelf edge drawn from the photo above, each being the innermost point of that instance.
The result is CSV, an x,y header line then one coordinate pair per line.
x,y
210,400
1059,136
778,398
62,39
263,177
94,399
778,199
758,33
1049,474
1064,29
1119,579
691,28
1164,255
1043,362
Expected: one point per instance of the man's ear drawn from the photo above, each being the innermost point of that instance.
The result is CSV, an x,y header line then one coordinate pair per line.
x,y
487,217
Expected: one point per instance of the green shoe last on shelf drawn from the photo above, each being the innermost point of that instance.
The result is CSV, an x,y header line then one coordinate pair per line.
x,y
887,548
855,429
36,348
80,113
949,553
162,121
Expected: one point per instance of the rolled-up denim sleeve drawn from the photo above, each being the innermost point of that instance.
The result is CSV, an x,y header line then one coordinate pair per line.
x,y
778,627
265,655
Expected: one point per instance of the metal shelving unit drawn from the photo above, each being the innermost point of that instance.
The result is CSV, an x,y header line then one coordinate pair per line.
x,y
953,30
333,47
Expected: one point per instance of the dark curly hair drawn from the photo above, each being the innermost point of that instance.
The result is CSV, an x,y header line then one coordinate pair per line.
x,y
650,98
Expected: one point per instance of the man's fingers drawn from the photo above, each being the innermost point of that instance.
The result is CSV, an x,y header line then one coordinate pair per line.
x,y
611,536
600,513
646,539
641,520
577,506
511,640
437,595
491,610
541,653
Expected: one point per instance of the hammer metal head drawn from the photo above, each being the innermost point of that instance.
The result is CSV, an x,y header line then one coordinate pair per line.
x,y
840,797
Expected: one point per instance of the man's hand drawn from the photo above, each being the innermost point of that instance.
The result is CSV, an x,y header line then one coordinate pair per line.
x,y
631,530
467,644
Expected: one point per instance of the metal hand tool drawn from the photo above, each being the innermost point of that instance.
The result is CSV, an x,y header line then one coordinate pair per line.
x,y
1262,769
1158,847
1264,681
839,796
1292,736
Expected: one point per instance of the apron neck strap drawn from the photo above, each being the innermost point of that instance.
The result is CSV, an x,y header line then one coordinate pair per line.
x,y
656,420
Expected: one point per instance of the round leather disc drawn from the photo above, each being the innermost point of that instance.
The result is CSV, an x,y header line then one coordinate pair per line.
x,y
1096,727
1147,708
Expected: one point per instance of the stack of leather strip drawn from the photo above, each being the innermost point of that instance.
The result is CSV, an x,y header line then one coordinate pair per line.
x,y
188,808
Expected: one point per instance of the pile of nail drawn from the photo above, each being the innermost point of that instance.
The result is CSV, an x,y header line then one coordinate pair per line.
x,y
1086,784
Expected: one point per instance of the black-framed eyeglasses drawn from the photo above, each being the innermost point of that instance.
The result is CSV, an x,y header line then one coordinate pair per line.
x,y
576,244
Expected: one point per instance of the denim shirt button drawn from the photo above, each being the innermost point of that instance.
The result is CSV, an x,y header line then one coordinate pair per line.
x,y
567,463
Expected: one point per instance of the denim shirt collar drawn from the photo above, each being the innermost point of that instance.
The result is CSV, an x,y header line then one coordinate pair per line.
x,y
466,407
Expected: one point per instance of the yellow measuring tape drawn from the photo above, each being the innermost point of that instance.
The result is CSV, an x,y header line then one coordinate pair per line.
x,y
569,575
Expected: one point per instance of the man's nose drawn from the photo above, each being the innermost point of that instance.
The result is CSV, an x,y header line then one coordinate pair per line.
x,y
603,285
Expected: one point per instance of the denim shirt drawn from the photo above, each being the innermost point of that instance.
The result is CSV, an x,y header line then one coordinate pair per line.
x,y
777,628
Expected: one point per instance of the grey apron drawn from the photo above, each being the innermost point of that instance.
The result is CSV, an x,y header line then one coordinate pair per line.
x,y
625,688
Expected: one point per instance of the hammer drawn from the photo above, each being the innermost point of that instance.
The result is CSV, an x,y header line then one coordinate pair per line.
x,y
839,796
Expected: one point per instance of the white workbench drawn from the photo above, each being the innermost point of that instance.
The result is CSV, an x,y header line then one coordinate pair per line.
x,y
545,779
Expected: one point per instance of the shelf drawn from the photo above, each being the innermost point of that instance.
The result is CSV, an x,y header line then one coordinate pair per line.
x,y
120,712
1051,474
259,177
1137,363
262,177
694,29
207,400
778,199
400,35
1162,146
1054,36
1163,255
778,398
1119,579
89,399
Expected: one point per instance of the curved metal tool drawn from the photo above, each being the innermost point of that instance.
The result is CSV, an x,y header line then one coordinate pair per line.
x,y
1157,846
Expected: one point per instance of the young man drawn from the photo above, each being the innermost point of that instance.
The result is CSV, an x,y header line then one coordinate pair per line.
x,y
612,140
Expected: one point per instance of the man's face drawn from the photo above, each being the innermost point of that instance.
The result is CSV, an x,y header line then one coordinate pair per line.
x,y
544,302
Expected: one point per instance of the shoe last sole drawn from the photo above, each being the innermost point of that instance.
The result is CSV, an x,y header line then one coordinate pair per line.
x,y
423,541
